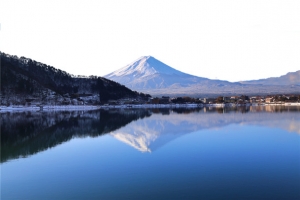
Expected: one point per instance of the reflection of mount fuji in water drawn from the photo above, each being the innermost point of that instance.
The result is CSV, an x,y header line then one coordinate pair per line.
x,y
28,133
149,134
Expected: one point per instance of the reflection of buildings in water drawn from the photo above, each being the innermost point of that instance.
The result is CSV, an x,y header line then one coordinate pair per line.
x,y
270,108
274,108
256,108
281,108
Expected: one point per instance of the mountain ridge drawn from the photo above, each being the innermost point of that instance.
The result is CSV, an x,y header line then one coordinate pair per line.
x,y
290,78
149,75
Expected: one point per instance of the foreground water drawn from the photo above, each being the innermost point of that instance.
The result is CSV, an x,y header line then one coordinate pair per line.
x,y
216,153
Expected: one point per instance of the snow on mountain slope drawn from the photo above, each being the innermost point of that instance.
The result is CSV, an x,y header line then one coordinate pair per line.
x,y
149,73
144,66
151,76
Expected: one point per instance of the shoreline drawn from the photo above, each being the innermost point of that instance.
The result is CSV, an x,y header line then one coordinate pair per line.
x,y
90,107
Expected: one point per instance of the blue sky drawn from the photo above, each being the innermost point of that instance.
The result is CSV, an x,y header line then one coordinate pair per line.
x,y
229,40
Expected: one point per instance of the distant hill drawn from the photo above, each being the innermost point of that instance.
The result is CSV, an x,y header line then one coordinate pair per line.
x,y
23,78
291,78
152,76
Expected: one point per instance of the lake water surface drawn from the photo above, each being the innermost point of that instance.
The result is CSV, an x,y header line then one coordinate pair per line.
x,y
207,153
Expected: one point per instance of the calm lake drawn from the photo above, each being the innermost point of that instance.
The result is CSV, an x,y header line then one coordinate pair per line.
x,y
203,153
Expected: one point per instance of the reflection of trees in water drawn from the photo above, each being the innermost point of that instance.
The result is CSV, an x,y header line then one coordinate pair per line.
x,y
24,134
179,110
186,111
220,110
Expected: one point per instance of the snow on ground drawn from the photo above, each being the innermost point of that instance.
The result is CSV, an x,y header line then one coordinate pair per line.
x,y
46,108
89,107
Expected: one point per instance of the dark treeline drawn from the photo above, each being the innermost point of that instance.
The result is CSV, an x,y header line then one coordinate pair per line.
x,y
24,78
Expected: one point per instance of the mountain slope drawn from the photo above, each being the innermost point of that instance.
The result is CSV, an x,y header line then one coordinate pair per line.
x,y
23,78
291,78
144,66
149,75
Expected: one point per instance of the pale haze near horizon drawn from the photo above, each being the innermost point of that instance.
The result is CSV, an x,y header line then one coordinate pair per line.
x,y
227,40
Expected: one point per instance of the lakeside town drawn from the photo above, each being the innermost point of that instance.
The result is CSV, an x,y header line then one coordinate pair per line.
x,y
232,100
89,101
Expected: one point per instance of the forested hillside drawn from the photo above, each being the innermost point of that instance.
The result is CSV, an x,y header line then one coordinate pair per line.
x,y
24,80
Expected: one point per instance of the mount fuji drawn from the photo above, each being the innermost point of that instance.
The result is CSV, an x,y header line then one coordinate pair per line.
x,y
149,75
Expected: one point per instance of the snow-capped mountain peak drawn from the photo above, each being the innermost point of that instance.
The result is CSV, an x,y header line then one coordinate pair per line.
x,y
148,73
144,66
